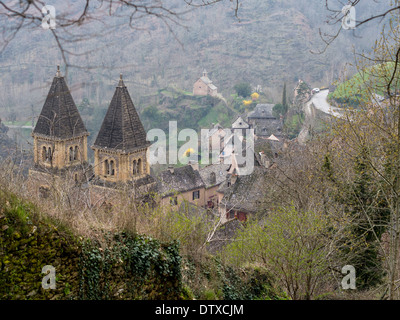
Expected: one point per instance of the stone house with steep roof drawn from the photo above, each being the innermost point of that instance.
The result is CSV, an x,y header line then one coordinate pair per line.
x,y
176,185
263,121
213,175
240,196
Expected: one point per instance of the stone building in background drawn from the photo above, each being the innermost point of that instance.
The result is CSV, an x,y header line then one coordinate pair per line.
x,y
263,121
204,86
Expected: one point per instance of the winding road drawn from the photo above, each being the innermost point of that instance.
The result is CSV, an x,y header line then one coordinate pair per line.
x,y
318,101
321,103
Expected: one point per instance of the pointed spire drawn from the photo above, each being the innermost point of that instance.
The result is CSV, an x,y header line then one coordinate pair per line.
x,y
121,128
59,117
58,74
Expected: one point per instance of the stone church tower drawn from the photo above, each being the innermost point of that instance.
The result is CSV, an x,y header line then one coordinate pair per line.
x,y
60,136
120,149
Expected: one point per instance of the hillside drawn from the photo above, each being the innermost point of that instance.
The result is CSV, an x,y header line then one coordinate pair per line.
x,y
270,42
356,89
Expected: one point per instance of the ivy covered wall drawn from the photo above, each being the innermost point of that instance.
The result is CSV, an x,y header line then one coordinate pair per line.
x,y
124,266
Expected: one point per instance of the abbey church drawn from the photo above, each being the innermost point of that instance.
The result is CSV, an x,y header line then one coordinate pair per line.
x,y
60,143
121,161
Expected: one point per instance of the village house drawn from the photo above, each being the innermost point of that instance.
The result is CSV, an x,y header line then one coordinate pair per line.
x,y
180,184
204,86
216,138
213,175
240,126
241,195
262,120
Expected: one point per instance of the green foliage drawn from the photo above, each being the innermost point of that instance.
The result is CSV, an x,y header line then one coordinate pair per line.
x,y
121,266
279,110
356,90
289,244
210,279
293,124
243,89
130,267
370,215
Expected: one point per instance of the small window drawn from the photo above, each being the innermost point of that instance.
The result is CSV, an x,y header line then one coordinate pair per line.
x,y
50,156
44,154
196,194
139,168
71,154
135,168
106,167
112,170
231,214
76,152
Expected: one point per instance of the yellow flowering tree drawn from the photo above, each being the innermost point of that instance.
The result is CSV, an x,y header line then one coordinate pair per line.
x,y
255,96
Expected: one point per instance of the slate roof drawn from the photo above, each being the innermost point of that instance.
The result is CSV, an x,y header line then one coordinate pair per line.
x,y
182,179
206,80
262,111
219,169
247,193
59,117
121,128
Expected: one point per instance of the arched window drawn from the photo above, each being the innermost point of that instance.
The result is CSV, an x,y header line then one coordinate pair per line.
x,y
76,153
106,167
44,154
50,156
71,154
135,168
139,168
112,170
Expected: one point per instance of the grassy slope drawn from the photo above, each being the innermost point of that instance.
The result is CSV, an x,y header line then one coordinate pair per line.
x,y
358,87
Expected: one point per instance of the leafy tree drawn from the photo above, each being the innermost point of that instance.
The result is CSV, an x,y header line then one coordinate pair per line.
x,y
293,245
368,213
279,110
243,89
